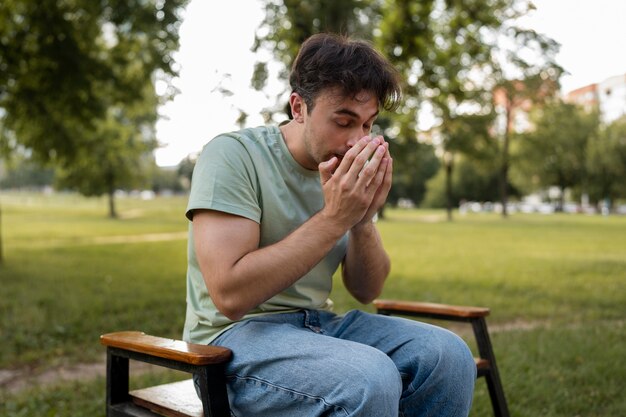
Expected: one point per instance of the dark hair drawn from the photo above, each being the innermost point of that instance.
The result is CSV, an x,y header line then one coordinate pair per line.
x,y
328,61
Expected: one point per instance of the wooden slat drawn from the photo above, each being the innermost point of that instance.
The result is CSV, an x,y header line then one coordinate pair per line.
x,y
399,307
481,363
178,399
178,350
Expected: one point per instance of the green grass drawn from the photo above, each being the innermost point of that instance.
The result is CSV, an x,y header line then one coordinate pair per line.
x,y
76,399
555,285
59,291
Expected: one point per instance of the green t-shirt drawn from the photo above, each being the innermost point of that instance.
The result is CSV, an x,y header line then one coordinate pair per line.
x,y
251,173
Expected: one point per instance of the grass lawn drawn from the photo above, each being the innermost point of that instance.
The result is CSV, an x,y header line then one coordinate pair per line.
x,y
555,285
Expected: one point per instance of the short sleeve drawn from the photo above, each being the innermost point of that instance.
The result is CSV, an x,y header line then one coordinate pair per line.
x,y
225,179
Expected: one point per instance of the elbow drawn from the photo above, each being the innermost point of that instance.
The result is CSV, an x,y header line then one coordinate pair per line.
x,y
228,301
230,304
229,307
367,290
365,294
366,298
233,315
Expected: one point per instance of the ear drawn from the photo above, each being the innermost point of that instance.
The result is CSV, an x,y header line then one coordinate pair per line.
x,y
298,107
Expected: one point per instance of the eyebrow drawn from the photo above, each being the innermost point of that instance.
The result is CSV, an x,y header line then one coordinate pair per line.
x,y
350,113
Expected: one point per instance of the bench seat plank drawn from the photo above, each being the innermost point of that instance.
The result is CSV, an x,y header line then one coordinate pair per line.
x,y
177,399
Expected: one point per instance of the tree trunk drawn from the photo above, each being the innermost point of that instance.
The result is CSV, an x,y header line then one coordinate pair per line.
x,y
381,213
112,211
504,194
110,181
448,165
1,253
504,167
561,206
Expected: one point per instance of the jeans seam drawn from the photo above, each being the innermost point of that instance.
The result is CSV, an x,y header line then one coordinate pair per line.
x,y
289,390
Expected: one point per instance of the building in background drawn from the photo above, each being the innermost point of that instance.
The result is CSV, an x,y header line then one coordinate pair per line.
x,y
608,96
586,96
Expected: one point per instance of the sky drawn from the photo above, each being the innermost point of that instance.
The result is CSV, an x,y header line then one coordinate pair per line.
x,y
216,37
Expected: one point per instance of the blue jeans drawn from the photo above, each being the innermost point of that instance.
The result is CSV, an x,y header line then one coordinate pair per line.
x,y
315,363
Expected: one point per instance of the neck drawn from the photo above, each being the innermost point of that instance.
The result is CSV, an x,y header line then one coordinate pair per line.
x,y
292,133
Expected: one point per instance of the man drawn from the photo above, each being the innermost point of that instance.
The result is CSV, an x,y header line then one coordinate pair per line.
x,y
275,211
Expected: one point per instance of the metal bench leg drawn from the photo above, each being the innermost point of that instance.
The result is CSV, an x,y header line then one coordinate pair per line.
x,y
496,392
215,400
117,382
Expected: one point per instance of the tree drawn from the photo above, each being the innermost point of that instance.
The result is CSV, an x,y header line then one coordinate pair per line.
x,y
288,23
454,53
555,151
116,154
466,135
515,98
472,181
22,172
415,164
606,163
185,169
77,83
449,51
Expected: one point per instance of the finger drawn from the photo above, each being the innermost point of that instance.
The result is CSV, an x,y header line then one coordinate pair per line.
x,y
350,156
388,175
363,157
371,167
326,169
378,176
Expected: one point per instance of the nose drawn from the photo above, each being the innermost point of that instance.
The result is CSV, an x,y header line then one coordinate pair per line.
x,y
356,135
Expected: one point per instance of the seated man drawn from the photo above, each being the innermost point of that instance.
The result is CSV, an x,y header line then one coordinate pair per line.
x,y
275,211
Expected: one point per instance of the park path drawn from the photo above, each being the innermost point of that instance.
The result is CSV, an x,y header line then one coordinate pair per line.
x,y
103,240
13,381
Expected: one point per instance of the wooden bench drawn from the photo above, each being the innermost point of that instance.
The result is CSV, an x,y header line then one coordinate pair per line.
x,y
179,399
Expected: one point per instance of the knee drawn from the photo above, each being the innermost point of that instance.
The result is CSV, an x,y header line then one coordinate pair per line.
x,y
453,356
374,385
442,376
458,357
451,362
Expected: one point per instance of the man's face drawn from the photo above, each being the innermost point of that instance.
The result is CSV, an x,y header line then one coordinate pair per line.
x,y
336,123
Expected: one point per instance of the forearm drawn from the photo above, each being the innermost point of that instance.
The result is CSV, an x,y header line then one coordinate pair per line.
x,y
240,286
366,265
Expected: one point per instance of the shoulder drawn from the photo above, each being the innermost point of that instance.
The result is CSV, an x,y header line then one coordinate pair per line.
x,y
250,140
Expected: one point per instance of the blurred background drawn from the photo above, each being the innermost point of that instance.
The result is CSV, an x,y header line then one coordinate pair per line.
x,y
508,190
142,87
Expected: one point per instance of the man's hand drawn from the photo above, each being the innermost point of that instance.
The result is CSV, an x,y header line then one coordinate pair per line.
x,y
355,188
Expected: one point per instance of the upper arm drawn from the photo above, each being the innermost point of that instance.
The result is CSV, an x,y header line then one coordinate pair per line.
x,y
220,241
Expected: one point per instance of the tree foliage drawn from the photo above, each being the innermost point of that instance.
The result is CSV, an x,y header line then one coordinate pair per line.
x,y
452,54
77,83
555,151
288,23
471,181
606,163
23,173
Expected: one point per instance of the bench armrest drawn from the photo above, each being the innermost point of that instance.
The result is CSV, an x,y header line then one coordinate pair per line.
x,y
429,309
177,350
